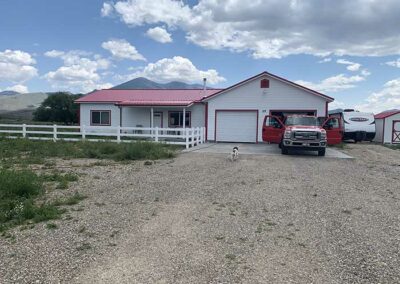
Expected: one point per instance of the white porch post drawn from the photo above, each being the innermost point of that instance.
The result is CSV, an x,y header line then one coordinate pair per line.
x,y
151,121
184,118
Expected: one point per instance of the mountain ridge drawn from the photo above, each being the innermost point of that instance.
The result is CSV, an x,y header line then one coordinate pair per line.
x,y
144,83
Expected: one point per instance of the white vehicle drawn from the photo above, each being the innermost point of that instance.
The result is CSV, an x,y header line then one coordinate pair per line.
x,y
358,126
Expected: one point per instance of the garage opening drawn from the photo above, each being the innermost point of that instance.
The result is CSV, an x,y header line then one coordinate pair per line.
x,y
236,126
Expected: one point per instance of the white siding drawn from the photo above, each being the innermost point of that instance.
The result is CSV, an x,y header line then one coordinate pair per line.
x,y
379,130
250,96
133,116
87,107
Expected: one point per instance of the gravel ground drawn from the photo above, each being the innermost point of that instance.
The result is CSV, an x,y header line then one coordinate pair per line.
x,y
202,219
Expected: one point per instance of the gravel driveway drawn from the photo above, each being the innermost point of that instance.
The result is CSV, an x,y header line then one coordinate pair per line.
x,y
202,219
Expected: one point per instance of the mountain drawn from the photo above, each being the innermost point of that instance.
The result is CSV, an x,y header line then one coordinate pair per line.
x,y
21,101
8,93
143,83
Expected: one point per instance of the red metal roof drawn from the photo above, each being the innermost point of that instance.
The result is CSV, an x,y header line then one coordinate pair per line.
x,y
387,113
159,97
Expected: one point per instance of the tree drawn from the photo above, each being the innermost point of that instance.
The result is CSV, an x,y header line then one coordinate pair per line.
x,y
58,107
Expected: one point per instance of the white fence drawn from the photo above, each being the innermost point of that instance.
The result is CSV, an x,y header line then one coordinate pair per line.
x,y
188,137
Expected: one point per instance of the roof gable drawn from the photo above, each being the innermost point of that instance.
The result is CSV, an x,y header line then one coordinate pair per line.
x,y
329,99
386,114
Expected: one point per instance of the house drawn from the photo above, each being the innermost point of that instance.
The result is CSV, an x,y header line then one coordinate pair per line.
x,y
234,114
388,127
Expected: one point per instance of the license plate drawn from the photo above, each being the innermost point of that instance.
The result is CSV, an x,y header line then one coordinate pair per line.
x,y
306,144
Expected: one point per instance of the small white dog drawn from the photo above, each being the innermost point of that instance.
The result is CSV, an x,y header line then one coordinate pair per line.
x,y
235,154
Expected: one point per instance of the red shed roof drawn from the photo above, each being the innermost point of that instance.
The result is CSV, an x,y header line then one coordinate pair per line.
x,y
156,97
388,113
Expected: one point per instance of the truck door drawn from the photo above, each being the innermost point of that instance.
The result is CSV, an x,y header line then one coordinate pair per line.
x,y
273,129
334,131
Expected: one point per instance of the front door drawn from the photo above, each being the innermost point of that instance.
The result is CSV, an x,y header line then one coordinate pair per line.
x,y
158,119
334,131
273,129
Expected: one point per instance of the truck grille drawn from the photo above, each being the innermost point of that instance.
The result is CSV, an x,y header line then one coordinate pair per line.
x,y
306,135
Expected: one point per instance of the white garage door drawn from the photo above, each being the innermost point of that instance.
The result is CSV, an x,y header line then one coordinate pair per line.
x,y
236,126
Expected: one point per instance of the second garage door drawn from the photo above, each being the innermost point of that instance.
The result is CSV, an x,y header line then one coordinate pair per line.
x,y
236,125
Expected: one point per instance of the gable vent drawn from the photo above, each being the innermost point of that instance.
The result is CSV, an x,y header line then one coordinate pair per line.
x,y
264,83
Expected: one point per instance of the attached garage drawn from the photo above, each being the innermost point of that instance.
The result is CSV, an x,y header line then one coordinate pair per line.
x,y
236,114
388,127
236,125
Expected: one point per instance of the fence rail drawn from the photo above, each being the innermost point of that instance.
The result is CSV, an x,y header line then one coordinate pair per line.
x,y
188,137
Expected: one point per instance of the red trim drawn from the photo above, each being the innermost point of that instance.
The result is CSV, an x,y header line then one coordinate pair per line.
x,y
273,76
326,109
383,134
100,110
396,139
162,117
233,110
206,119
386,114
190,118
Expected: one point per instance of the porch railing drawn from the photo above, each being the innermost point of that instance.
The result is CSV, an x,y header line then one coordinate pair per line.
x,y
188,137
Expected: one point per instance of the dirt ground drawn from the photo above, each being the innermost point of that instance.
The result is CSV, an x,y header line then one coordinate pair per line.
x,y
201,218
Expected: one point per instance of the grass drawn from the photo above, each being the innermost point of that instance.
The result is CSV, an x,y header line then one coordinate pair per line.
x,y
394,147
24,151
72,200
62,180
19,191
21,194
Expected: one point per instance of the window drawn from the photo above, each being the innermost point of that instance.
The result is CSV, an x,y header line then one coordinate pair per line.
x,y
272,121
100,117
176,119
264,83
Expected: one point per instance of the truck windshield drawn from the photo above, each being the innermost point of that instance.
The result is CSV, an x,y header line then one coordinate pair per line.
x,y
302,120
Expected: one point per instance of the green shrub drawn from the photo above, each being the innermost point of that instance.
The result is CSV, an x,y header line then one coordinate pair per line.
x,y
18,193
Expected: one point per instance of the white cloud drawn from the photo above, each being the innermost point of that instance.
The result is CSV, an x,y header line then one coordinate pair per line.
x,y
121,49
106,10
351,66
325,60
333,84
18,88
387,98
336,104
395,63
79,73
273,29
17,66
159,34
365,73
176,69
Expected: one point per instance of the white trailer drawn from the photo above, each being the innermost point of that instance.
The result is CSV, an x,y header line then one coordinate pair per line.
x,y
357,126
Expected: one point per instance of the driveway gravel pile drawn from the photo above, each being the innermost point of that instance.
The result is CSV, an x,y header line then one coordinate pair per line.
x,y
201,218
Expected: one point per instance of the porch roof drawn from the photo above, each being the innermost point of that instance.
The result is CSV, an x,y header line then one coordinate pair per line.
x,y
155,103
148,97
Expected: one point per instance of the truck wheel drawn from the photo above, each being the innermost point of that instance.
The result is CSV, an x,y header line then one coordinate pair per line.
x,y
321,153
284,150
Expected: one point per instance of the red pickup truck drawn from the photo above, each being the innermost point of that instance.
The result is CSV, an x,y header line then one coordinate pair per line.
x,y
302,132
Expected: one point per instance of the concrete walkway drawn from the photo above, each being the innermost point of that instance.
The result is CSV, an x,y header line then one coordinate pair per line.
x,y
260,149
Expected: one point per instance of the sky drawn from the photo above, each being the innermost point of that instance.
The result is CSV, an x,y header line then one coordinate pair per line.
x,y
349,50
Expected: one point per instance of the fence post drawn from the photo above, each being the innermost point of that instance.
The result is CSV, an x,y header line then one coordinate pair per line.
x,y
156,134
118,133
54,132
186,132
83,130
192,129
24,130
198,136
